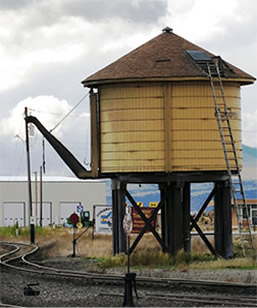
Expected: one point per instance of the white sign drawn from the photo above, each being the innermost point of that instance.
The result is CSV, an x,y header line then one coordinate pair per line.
x,y
79,208
32,220
127,223
103,219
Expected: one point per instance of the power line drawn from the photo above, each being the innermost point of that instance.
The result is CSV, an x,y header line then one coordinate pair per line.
x,y
79,102
43,141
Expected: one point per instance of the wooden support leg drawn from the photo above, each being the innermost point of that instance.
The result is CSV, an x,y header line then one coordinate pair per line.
x,y
186,218
118,212
163,191
223,220
174,214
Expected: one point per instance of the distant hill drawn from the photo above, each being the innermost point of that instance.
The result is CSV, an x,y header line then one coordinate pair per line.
x,y
249,163
249,152
199,192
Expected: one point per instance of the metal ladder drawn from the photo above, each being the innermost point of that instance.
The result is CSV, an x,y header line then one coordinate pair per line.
x,y
222,114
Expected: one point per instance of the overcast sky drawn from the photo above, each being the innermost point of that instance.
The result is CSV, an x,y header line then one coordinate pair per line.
x,y
49,46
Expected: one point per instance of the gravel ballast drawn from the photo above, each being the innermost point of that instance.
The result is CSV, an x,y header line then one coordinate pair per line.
x,y
67,292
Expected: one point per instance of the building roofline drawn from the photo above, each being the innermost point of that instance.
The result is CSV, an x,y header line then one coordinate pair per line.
x,y
97,83
165,57
50,179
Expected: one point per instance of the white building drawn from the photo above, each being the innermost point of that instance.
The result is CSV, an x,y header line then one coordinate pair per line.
x,y
60,198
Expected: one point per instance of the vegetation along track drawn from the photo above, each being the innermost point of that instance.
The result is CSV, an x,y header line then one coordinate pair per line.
x,y
15,256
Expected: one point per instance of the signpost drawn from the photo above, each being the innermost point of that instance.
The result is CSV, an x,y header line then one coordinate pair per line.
x,y
76,222
74,219
31,223
130,278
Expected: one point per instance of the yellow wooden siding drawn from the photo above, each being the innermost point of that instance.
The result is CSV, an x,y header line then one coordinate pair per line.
x,y
132,128
195,139
133,124
132,103
131,90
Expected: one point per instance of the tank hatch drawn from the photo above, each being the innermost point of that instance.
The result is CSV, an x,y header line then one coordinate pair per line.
x,y
202,60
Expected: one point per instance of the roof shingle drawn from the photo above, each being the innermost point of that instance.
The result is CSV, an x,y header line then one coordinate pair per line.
x,y
163,57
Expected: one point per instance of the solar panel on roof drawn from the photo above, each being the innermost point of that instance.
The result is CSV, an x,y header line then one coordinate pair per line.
x,y
198,55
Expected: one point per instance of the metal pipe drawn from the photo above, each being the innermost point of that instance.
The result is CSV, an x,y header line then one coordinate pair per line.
x,y
41,197
63,152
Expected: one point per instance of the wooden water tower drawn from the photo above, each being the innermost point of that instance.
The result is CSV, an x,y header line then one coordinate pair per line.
x,y
153,121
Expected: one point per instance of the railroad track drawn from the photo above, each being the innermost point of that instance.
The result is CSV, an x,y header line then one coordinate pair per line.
x,y
224,301
15,256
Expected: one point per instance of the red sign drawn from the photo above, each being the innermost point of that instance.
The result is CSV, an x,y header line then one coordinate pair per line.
x,y
74,218
138,223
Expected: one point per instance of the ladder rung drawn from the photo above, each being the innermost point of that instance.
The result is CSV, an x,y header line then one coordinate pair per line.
x,y
223,119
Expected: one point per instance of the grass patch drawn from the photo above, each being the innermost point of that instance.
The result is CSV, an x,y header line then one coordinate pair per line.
x,y
182,261
11,231
24,232
155,259
234,263
148,254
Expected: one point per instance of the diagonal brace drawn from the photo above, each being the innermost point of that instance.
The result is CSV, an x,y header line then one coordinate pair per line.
x,y
147,222
204,206
202,235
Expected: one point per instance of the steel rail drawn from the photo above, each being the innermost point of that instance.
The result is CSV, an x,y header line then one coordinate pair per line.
x,y
11,306
17,247
8,253
103,278
224,301
208,299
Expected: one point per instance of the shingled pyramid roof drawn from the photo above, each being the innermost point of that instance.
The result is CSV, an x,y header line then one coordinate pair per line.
x,y
164,57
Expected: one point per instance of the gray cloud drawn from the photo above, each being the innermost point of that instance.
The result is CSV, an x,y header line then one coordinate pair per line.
x,y
49,12
15,4
239,34
139,11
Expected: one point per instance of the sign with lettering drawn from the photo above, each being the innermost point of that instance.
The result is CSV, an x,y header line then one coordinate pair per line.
x,y
138,223
153,204
103,219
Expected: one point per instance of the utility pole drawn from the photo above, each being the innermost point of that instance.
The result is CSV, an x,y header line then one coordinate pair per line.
x,y
31,219
36,199
41,197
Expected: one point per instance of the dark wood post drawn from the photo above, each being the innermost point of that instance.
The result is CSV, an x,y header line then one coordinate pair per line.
x,y
174,215
118,212
223,220
186,218
163,191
